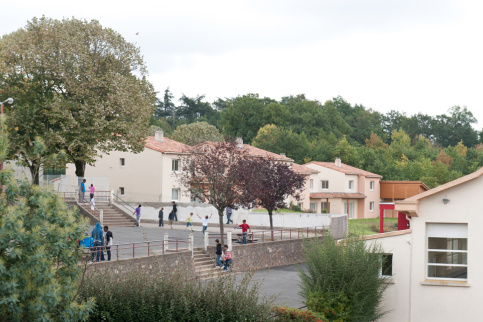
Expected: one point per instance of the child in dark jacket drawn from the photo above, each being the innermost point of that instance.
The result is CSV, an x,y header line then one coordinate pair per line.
x,y
218,254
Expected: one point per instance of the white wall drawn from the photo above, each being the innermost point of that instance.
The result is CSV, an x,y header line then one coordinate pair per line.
x,y
397,295
291,220
442,302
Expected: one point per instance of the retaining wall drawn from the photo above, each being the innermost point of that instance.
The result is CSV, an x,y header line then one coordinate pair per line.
x,y
265,255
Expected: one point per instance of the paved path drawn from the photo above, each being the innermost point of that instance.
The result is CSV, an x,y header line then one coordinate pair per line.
x,y
282,282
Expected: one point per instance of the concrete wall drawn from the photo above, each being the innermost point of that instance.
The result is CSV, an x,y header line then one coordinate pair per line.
x,y
166,263
265,255
150,210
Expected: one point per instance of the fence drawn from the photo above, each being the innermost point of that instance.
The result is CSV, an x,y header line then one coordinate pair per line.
x,y
142,249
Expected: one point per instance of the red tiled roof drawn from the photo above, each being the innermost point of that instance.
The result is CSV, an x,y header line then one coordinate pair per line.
x,y
336,195
255,152
347,169
167,145
297,168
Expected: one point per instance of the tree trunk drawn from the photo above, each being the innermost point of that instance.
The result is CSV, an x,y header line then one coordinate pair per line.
x,y
271,221
220,215
80,167
35,172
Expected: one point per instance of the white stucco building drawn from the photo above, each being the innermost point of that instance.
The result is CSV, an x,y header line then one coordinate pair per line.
x,y
435,264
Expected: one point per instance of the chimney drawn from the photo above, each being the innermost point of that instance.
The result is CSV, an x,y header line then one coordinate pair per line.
x,y
282,154
338,162
159,135
239,142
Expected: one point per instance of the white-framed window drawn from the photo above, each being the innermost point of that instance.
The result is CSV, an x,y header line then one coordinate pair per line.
x,y
175,165
121,191
386,265
351,184
323,205
371,185
371,206
324,184
301,205
313,206
447,251
122,161
311,184
175,194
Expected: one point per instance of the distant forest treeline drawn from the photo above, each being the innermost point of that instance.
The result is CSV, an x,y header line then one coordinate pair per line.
x,y
432,149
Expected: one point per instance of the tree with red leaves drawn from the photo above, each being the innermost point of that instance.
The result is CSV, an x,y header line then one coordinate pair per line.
x,y
275,182
221,174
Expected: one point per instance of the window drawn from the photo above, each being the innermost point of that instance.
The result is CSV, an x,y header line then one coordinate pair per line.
x,y
386,265
311,183
371,206
300,205
175,165
121,191
324,184
122,161
175,194
371,185
312,206
323,205
447,256
351,184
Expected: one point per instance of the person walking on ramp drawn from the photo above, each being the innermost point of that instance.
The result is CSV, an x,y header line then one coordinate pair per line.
x,y
160,216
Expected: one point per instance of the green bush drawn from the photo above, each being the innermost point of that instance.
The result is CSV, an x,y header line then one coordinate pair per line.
x,y
331,306
342,278
146,294
39,255
284,314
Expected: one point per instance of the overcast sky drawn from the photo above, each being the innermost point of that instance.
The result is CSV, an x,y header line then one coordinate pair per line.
x,y
407,55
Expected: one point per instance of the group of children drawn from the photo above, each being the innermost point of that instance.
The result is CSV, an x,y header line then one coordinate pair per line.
x,y
223,259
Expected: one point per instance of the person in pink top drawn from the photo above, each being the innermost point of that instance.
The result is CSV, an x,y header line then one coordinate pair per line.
x,y
227,257
92,189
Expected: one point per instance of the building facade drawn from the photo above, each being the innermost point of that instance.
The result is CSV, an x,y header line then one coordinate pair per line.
x,y
342,189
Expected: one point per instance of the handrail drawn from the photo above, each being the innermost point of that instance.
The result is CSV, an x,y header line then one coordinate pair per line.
x,y
136,245
123,202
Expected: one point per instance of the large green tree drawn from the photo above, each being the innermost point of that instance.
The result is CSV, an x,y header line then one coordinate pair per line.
x,y
78,86
196,133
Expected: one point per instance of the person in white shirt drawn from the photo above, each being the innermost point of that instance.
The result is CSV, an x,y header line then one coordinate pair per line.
x,y
93,205
205,222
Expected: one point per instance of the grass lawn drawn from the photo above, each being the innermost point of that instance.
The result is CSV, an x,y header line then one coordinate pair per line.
x,y
371,226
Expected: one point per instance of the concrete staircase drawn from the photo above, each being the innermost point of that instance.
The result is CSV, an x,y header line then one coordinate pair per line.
x,y
112,216
205,265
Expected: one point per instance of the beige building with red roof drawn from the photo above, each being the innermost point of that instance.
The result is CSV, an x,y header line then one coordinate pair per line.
x,y
149,176
338,188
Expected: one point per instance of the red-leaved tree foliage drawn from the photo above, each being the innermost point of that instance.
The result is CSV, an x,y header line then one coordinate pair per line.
x,y
220,174
275,182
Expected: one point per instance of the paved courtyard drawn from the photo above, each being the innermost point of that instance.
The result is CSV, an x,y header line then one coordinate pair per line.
x,y
282,282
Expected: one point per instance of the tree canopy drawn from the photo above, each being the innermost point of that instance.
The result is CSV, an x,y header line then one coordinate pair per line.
x,y
195,133
80,87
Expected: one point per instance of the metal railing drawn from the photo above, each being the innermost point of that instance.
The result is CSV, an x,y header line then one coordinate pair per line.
x,y
153,247
122,202
282,234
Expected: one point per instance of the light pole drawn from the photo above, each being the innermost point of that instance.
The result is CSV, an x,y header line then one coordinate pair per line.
x,y
9,101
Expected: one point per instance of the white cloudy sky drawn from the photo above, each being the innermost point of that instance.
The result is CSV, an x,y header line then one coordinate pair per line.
x,y
408,55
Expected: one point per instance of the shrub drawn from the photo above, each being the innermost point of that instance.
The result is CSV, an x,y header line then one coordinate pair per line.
x,y
39,255
344,278
146,294
290,314
331,306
